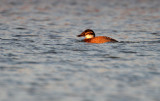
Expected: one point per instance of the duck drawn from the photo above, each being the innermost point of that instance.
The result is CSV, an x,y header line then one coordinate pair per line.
x,y
91,38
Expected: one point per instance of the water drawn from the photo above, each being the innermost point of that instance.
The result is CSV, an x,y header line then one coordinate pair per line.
x,y
41,59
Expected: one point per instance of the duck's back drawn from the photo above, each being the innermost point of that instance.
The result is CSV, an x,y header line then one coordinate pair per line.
x,y
100,39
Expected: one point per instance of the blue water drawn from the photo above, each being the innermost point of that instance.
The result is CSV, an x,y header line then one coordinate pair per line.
x,y
41,59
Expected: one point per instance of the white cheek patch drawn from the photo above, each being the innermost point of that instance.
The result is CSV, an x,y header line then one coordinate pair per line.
x,y
89,36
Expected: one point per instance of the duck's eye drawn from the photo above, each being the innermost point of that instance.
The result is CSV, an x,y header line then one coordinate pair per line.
x,y
87,33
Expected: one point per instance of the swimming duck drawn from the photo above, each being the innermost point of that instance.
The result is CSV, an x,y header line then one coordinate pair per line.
x,y
91,38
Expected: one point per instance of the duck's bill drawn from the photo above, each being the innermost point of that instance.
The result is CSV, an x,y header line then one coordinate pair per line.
x,y
80,35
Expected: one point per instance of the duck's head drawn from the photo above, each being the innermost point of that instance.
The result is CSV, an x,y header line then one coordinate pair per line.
x,y
88,33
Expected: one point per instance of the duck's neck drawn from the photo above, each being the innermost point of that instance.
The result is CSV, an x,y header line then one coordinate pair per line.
x,y
89,36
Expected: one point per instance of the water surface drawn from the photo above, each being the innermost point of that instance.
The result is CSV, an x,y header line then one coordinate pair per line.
x,y
41,59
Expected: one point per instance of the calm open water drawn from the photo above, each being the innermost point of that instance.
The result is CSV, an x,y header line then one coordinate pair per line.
x,y
41,59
